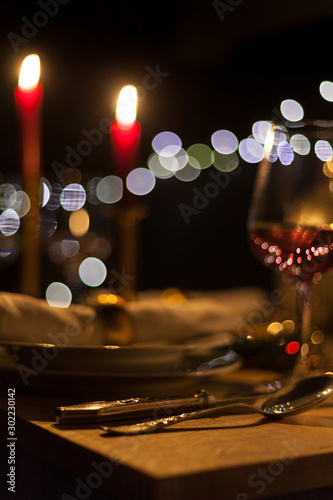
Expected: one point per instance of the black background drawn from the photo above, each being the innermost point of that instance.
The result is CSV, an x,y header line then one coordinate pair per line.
x,y
225,70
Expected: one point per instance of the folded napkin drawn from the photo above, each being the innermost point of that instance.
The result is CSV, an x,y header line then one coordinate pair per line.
x,y
155,317
27,319
173,317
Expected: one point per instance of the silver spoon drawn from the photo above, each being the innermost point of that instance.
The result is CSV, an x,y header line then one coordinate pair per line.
x,y
292,399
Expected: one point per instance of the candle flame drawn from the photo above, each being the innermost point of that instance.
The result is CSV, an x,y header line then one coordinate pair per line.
x,y
29,73
126,106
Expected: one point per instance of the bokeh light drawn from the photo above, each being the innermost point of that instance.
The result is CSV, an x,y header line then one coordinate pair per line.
x,y
91,189
140,181
92,271
73,197
285,152
9,249
58,295
175,162
12,197
300,144
226,163
251,150
55,252
9,222
22,203
291,110
157,168
200,156
69,248
274,328
224,142
323,150
54,201
188,173
166,143
7,196
326,90
278,136
328,170
260,129
292,347
79,222
317,337
46,189
110,189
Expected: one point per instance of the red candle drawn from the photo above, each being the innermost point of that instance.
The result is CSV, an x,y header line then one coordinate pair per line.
x,y
125,133
28,97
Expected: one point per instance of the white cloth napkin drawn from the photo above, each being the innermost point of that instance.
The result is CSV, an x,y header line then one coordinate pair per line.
x,y
160,318
156,318
27,319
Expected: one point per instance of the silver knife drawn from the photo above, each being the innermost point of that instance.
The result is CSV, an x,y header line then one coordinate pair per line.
x,y
99,411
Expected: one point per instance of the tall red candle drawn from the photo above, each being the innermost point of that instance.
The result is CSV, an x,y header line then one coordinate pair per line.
x,y
28,97
125,132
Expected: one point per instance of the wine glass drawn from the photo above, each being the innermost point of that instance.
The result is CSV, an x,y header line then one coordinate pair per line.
x,y
290,220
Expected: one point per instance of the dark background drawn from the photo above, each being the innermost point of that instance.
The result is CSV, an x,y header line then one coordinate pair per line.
x,y
226,69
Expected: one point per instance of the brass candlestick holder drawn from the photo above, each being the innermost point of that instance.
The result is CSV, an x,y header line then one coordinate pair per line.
x,y
31,256
129,218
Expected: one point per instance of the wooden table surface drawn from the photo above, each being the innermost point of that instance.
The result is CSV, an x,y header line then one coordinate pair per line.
x,y
236,457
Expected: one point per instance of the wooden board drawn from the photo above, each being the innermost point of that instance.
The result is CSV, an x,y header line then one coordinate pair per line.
x,y
233,456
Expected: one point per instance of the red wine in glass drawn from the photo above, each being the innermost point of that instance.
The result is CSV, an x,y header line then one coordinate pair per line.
x,y
301,252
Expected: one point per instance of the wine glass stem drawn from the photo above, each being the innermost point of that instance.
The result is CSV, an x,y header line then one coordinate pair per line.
x,y
303,295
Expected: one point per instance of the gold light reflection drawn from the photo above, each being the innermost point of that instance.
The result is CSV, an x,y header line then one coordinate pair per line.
x,y
288,326
106,298
79,222
317,337
274,328
173,295
328,169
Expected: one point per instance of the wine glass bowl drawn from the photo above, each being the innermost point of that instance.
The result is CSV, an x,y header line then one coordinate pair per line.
x,y
290,222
